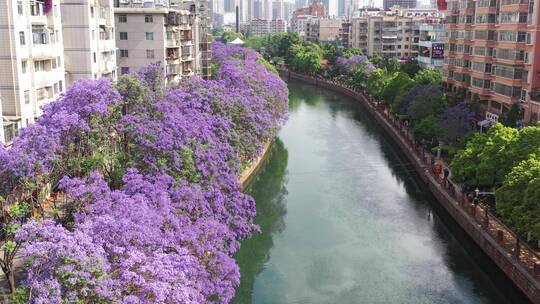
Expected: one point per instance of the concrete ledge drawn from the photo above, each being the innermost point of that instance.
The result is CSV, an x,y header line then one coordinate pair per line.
x,y
247,176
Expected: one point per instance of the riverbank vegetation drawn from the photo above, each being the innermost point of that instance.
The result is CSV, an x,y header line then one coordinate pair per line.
x,y
146,204
504,161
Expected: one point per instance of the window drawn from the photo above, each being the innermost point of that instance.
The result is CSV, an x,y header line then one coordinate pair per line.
x,y
53,62
57,36
122,18
55,10
150,54
20,7
21,38
149,35
23,66
53,39
60,86
148,19
91,12
40,36
58,62
39,65
123,36
124,53
93,34
95,59
124,70
26,97
55,90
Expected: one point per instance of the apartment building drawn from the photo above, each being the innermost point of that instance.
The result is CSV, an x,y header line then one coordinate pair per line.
x,y
157,32
388,4
491,55
300,23
260,27
394,33
323,30
31,60
345,35
89,42
430,45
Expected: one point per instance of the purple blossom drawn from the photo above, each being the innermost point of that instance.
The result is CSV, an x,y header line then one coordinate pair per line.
x,y
150,177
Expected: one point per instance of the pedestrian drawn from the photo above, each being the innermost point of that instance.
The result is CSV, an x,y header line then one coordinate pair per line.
x,y
446,173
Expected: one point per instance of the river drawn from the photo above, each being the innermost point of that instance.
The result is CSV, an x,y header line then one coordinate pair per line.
x,y
344,220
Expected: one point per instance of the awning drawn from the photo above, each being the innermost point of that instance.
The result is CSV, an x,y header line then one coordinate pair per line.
x,y
486,123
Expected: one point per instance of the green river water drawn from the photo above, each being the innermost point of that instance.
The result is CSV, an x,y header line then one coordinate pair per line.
x,y
344,220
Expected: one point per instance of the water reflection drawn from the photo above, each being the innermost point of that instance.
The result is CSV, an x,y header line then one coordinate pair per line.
x,y
344,220
269,192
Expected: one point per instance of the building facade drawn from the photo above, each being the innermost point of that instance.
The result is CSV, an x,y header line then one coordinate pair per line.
x,y
431,45
170,34
492,56
31,60
388,4
394,33
323,30
89,42
260,27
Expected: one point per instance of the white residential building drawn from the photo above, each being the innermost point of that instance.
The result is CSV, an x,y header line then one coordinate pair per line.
x,y
31,59
176,35
89,42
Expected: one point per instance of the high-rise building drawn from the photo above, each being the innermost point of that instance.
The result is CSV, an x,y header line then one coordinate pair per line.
x,y
229,5
331,7
277,10
288,8
387,4
171,35
257,10
390,33
31,60
89,42
267,9
492,55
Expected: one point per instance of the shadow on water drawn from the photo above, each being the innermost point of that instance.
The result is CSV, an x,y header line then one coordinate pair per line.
x,y
269,192
487,279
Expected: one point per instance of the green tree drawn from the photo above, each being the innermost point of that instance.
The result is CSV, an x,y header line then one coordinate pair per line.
x,y
351,52
267,65
391,64
330,52
428,77
426,101
410,67
465,162
377,60
428,128
518,197
527,143
512,116
397,85
494,161
376,82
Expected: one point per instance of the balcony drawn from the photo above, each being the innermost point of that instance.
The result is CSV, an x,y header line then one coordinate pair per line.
x,y
107,66
37,13
172,43
44,51
107,45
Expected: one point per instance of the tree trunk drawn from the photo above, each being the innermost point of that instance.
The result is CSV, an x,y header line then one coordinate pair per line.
x,y
11,280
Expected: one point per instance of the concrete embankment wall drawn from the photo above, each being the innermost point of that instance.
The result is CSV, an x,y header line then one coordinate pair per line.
x,y
249,173
522,278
